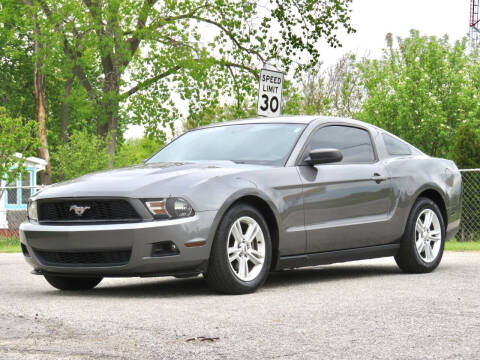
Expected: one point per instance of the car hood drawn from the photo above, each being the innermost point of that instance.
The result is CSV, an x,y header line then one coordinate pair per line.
x,y
142,181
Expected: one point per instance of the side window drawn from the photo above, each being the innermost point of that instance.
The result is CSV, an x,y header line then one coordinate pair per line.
x,y
354,143
26,187
395,146
19,191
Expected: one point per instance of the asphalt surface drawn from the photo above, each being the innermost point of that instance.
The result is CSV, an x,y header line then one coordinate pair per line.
x,y
360,310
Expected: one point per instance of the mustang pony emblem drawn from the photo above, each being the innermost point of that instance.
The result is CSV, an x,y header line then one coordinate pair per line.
x,y
79,210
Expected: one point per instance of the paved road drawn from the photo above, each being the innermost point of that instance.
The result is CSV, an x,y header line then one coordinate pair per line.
x,y
361,310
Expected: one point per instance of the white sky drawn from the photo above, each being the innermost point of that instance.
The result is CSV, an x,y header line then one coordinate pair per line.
x,y
373,19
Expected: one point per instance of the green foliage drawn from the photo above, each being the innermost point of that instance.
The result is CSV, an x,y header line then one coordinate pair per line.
x,y
112,63
82,154
422,90
336,90
131,55
16,62
218,113
293,101
134,151
466,150
16,136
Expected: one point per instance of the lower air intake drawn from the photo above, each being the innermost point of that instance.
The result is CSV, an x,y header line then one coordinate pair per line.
x,y
91,258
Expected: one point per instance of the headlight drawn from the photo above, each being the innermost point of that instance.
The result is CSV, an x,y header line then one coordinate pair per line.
x,y
32,211
170,208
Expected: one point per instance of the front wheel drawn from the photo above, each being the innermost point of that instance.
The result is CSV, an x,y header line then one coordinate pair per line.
x,y
72,283
241,253
422,245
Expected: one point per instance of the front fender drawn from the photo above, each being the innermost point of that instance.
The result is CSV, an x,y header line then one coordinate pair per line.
x,y
235,197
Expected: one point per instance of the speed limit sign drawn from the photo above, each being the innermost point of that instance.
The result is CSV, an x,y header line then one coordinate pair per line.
x,y
269,93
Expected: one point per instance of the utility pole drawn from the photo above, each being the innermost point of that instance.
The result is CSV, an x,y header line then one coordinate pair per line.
x,y
474,23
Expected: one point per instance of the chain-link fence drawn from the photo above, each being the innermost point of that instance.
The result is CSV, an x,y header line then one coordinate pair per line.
x,y
470,224
13,207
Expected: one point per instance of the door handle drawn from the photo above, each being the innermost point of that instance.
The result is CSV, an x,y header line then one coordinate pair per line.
x,y
378,178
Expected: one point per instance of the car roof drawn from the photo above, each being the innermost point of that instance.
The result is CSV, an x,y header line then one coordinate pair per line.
x,y
299,119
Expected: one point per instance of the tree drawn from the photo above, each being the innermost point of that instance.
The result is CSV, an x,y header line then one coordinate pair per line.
x,y
134,54
466,149
466,154
82,154
16,64
33,80
422,90
336,91
16,38
244,107
134,151
218,113
17,140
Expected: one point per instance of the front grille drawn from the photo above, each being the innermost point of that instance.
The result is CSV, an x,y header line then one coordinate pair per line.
x,y
91,258
67,211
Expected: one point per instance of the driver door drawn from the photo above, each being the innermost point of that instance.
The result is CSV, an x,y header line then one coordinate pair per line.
x,y
347,203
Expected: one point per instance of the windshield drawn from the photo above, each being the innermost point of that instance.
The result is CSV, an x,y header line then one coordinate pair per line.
x,y
268,144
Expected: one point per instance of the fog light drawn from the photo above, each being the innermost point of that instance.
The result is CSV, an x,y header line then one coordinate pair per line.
x,y
25,250
164,248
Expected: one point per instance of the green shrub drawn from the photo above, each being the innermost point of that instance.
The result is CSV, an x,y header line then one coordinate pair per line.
x,y
82,154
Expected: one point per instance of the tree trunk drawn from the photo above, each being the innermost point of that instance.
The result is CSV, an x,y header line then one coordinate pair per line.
x,y
41,111
64,111
108,125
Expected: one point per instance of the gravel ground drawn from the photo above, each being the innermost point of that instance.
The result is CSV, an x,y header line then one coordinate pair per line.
x,y
360,310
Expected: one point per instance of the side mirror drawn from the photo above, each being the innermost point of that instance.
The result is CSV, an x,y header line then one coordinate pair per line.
x,y
324,156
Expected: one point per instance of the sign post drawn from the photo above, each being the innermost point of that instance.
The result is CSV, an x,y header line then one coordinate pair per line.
x,y
270,93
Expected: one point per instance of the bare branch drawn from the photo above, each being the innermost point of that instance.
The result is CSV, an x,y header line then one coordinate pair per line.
x,y
135,40
148,82
78,71
189,15
145,84
251,70
231,36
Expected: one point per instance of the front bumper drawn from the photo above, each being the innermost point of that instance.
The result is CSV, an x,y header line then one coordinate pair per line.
x,y
137,237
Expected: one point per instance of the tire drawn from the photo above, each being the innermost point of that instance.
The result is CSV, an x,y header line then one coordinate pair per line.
x,y
414,255
72,283
243,274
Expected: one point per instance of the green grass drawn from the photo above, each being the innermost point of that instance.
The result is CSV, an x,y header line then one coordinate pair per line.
x,y
12,245
454,245
9,244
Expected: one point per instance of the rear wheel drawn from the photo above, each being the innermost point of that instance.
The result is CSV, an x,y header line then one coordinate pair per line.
x,y
72,283
422,245
241,253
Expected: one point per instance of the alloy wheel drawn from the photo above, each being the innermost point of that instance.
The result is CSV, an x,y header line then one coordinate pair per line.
x,y
428,235
246,248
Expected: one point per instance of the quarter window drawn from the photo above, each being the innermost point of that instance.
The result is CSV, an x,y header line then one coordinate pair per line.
x,y
395,146
354,143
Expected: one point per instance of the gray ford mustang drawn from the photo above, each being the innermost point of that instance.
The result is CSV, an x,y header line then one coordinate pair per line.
x,y
234,201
